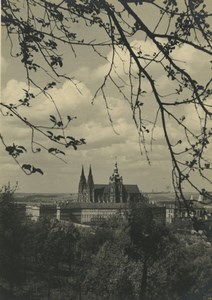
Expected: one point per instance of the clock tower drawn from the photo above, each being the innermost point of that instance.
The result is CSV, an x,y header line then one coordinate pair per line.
x,y
115,187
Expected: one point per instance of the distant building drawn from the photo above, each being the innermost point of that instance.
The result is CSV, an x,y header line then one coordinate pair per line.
x,y
113,192
170,212
34,212
189,208
179,209
205,197
88,212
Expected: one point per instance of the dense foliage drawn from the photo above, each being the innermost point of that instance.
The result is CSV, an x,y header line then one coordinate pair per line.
x,y
138,54
129,259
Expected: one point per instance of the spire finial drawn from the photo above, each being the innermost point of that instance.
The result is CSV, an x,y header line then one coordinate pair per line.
x,y
90,172
116,166
82,170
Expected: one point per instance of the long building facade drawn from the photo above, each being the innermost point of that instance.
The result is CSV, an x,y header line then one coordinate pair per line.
x,y
88,213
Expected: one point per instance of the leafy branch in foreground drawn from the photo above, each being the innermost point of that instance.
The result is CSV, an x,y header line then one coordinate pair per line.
x,y
37,30
55,132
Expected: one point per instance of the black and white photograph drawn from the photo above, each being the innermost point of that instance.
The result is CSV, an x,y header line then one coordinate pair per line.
x,y
106,150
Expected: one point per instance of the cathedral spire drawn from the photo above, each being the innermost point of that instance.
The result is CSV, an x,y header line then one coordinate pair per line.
x,y
82,191
90,178
82,173
90,186
90,171
82,177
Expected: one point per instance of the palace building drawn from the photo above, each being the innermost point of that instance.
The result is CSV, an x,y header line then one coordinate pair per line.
x,y
113,192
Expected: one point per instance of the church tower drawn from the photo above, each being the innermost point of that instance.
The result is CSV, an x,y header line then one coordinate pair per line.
x,y
115,186
82,191
90,186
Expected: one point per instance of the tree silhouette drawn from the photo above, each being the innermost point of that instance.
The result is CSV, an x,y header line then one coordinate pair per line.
x,y
12,234
148,241
36,30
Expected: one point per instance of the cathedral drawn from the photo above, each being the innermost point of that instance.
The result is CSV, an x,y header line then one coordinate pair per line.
x,y
113,192
97,202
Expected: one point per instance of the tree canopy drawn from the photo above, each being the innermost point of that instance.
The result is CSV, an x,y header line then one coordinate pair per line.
x,y
48,259
140,53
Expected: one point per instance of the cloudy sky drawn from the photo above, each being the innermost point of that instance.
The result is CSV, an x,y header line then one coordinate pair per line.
x,y
103,145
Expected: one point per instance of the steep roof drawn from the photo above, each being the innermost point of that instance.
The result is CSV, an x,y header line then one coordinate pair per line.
x,y
130,188
101,188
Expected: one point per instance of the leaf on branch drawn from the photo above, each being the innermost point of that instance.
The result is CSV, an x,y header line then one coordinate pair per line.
x,y
56,60
71,118
15,150
53,119
49,86
71,138
50,134
22,147
59,137
51,150
27,167
61,152
83,141
60,124
182,118
55,151
37,170
10,150
31,169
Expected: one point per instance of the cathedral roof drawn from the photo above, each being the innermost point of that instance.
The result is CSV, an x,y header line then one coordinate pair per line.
x,y
130,188
101,188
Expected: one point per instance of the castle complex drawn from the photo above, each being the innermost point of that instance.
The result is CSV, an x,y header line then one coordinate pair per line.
x,y
113,192
97,202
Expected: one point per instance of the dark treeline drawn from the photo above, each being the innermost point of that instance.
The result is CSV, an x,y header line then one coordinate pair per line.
x,y
128,258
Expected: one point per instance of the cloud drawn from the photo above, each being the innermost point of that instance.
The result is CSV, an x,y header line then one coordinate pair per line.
x,y
13,91
122,59
103,145
92,123
191,59
186,57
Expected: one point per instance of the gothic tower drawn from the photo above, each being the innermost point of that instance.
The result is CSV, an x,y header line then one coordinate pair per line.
x,y
82,191
115,186
90,186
